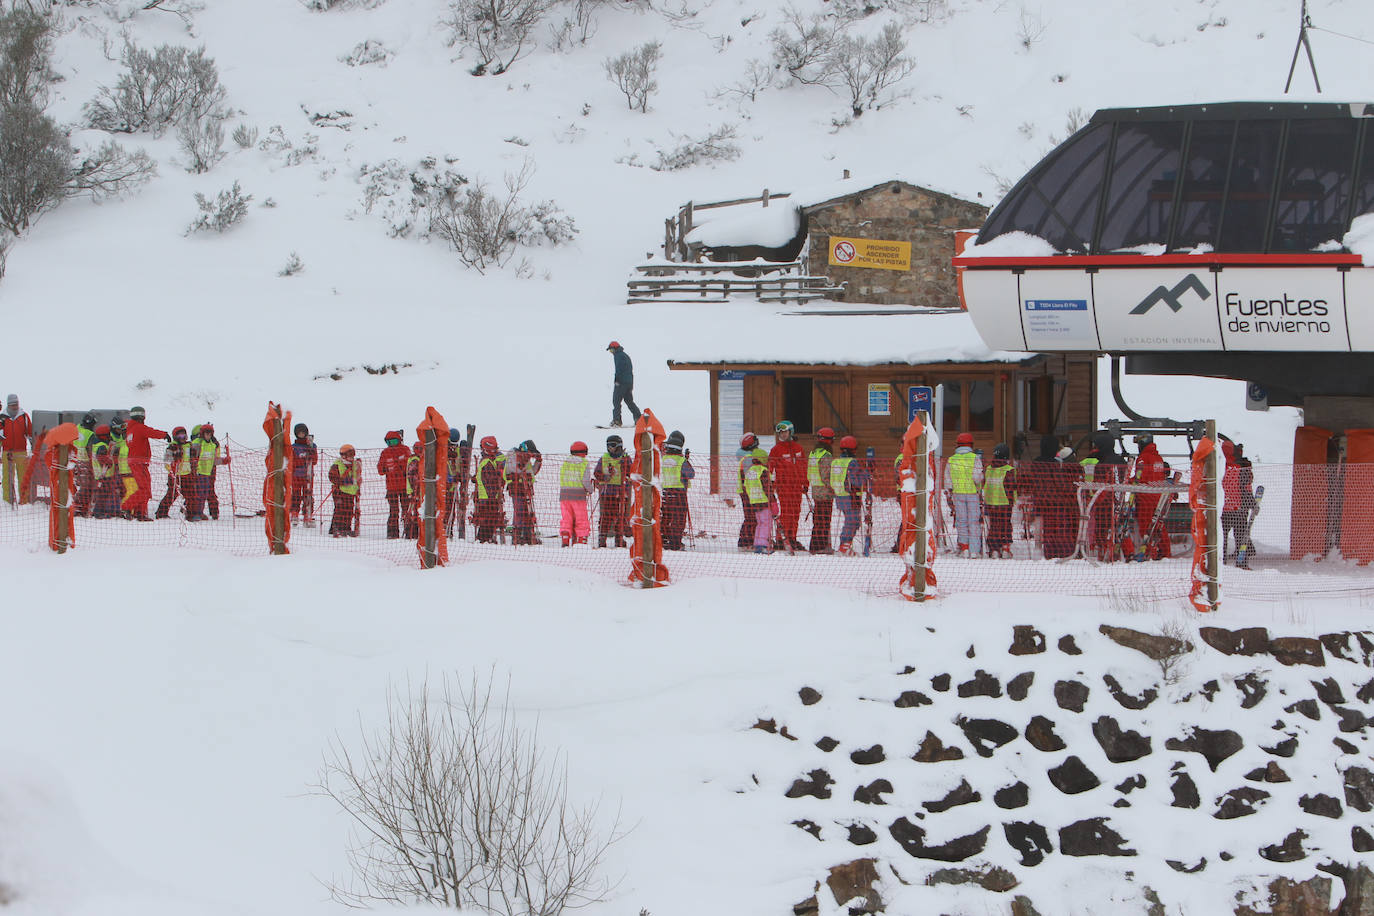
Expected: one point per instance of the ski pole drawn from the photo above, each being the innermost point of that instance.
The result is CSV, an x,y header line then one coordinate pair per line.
x,y
233,503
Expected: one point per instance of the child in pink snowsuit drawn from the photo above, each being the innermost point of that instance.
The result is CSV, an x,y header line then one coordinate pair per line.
x,y
574,483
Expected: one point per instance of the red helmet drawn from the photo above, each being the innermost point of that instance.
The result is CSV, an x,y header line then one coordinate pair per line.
x,y
489,446
578,448
613,345
825,434
748,441
417,448
393,434
849,442
964,439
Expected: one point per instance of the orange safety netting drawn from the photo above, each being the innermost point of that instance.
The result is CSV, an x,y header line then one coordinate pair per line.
x,y
647,533
275,487
1308,535
914,450
1197,501
434,423
61,533
1357,510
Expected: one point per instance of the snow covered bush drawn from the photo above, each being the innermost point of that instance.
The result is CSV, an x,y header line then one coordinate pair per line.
x,y
158,88
633,74
227,209
371,51
499,32
400,194
578,25
804,46
202,140
717,146
26,43
294,265
324,5
453,803
486,228
867,68
35,165
246,136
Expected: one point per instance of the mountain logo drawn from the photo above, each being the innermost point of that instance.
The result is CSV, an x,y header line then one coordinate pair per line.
x,y
1170,297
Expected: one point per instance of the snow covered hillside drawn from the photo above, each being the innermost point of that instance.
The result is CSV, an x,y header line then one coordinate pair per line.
x,y
164,712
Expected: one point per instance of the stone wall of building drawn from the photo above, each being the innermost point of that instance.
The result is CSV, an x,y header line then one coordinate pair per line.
x,y
895,211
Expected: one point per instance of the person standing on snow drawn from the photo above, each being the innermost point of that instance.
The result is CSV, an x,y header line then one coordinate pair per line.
x,y
489,513
787,467
963,481
16,429
1237,487
847,481
85,479
304,456
759,500
612,475
414,465
344,475
105,500
137,434
678,475
574,483
391,464
176,458
623,386
1107,511
1150,469
205,460
818,466
749,449
521,471
1051,484
999,497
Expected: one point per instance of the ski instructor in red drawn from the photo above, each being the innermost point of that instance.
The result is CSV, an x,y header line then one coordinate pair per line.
x,y
787,468
137,434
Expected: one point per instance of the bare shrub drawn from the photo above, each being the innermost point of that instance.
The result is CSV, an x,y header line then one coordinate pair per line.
x,y
633,74
110,171
578,25
294,265
804,46
326,5
1174,663
868,68
404,195
35,165
486,228
202,140
500,32
226,210
758,76
717,146
1030,28
371,51
158,88
246,136
26,43
453,803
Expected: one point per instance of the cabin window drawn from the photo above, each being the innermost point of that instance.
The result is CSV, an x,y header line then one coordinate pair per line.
x,y
1314,190
1204,182
982,411
1364,194
1058,201
1254,166
1035,416
796,402
952,420
1140,194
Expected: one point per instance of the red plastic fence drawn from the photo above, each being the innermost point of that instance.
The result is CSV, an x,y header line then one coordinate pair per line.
x,y
1288,545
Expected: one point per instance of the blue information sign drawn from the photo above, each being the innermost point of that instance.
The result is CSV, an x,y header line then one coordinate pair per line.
x,y
919,397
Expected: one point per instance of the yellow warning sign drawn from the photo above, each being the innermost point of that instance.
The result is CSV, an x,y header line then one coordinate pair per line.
x,y
870,253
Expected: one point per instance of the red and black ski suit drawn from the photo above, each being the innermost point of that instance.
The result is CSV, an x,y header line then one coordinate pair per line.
x,y
392,466
136,434
1149,469
787,468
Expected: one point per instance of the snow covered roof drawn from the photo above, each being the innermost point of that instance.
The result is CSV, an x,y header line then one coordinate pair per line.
x,y
835,334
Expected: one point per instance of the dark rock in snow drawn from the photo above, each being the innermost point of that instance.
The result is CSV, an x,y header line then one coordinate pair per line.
x,y
1026,640
856,879
1359,789
1345,746
810,827
912,839
1119,746
1130,784
1186,869
933,750
1290,850
940,682
1308,708
1019,686
868,756
827,744
1285,748
862,835
1252,688
1152,646
969,653
872,794
1240,802
1320,805
1366,693
766,725
1073,776
1329,692
1245,641
1338,644
809,696
1352,720
986,735
1029,839
817,784
1070,695
1360,840
961,794
1040,734
1214,746
981,685
1185,791
1209,690
989,878
1271,773
910,699
1297,650
1068,646
1016,795
1092,837
1147,696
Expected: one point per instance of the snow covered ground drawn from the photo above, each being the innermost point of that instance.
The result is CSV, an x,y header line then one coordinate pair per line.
x,y
164,711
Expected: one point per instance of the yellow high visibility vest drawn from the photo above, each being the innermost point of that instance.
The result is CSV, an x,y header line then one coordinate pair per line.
x,y
98,468
83,443
672,472
205,464
813,466
1087,464
572,473
961,473
994,486
346,472
121,447
753,485
740,466
500,462
839,469
615,465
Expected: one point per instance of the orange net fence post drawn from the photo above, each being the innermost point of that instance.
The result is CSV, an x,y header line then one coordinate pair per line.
x,y
646,547
1202,499
60,461
916,540
274,486
1357,509
1308,536
433,495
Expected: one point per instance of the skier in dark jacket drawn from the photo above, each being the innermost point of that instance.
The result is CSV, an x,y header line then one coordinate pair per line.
x,y
624,384
304,455
1052,486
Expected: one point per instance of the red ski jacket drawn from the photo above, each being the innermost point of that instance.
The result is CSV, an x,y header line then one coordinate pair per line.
x,y
392,466
137,433
787,467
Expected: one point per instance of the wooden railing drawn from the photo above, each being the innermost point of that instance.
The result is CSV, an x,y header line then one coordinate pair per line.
x,y
718,281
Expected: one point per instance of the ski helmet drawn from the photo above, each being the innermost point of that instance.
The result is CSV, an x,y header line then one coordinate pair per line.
x,y
345,450
137,413
748,441
489,446
613,345
1001,452
393,434
614,443
88,420
527,446
300,429
785,426
1144,439
825,434
179,434
103,429
849,442
117,426
964,439
675,439
578,448
207,428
